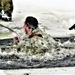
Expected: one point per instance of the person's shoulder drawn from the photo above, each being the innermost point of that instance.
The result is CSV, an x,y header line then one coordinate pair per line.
x,y
44,33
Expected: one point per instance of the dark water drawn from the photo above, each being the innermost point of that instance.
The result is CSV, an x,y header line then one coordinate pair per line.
x,y
9,41
14,62
21,63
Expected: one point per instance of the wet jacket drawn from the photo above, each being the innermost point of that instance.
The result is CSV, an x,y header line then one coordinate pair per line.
x,y
38,44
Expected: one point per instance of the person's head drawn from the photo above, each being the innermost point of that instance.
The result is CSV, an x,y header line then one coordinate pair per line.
x,y
30,24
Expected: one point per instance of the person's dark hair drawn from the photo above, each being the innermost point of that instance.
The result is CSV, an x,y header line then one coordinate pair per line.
x,y
32,22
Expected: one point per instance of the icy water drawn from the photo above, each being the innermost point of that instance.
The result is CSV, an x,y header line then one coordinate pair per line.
x,y
20,64
56,23
13,61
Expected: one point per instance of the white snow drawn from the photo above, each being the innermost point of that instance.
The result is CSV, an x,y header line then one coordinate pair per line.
x,y
43,71
58,15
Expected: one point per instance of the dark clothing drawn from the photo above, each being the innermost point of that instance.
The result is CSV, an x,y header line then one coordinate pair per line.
x,y
6,5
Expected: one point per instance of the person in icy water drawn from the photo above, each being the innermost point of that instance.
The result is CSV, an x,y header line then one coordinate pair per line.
x,y
35,40
6,9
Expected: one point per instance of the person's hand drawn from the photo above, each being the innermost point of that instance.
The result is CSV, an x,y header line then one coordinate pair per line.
x,y
16,40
